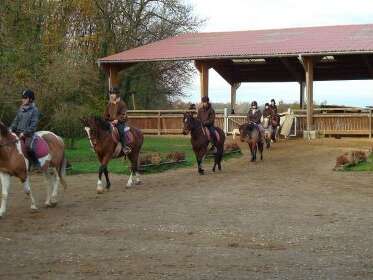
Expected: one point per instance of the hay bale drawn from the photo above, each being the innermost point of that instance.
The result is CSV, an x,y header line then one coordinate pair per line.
x,y
175,156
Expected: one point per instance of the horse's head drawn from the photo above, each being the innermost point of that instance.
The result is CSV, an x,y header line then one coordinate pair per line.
x,y
243,132
266,122
11,155
188,122
95,127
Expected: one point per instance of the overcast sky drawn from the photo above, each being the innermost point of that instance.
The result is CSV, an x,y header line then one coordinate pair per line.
x,y
233,15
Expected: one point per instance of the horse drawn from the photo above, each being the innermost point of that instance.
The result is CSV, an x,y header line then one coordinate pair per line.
x,y
104,140
267,125
250,133
275,124
14,162
200,141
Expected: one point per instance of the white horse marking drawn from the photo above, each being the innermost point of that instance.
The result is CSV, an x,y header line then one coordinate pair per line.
x,y
19,149
130,181
100,188
137,179
27,188
5,183
88,130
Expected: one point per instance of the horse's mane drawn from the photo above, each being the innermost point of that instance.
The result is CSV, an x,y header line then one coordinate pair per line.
x,y
4,131
101,123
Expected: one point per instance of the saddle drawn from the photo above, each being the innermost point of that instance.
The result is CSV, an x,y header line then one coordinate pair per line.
x,y
37,151
209,136
116,138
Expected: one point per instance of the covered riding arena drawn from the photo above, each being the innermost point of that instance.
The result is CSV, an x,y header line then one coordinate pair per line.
x,y
289,216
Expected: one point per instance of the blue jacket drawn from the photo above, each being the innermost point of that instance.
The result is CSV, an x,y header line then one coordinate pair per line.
x,y
26,120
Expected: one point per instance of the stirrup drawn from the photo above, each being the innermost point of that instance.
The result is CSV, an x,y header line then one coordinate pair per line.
x,y
126,150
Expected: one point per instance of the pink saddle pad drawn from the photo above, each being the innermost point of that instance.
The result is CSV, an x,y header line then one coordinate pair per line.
x,y
40,147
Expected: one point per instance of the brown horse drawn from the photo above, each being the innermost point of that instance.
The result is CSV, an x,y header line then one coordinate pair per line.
x,y
106,144
13,162
200,141
250,133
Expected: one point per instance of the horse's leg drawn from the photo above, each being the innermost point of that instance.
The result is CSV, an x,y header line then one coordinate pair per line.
x,y
218,156
106,173
255,150
199,156
27,188
100,188
55,185
251,151
48,188
133,157
5,184
261,148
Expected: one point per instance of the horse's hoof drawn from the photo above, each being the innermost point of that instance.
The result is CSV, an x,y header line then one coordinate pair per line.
x,y
53,204
108,187
138,182
213,170
34,209
201,172
100,191
2,214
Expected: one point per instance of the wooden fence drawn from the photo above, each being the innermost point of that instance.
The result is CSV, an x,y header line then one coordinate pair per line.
x,y
331,121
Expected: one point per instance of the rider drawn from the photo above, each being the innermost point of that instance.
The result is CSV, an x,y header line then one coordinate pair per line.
x,y
275,117
273,106
206,115
26,120
254,115
267,112
116,113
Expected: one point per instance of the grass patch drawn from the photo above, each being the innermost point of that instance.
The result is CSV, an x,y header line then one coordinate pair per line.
x,y
363,166
84,160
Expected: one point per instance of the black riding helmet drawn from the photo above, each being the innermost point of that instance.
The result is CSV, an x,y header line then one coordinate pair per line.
x,y
272,100
28,93
114,90
266,105
205,99
254,103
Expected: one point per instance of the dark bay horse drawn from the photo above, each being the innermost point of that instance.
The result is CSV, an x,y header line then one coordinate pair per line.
x,y
200,141
107,146
250,133
13,162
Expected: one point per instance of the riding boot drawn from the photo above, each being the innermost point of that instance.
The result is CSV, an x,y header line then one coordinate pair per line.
x,y
122,135
126,149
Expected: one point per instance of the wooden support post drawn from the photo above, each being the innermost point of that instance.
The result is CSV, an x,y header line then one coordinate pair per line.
x,y
113,77
159,123
308,63
301,98
203,69
370,124
234,88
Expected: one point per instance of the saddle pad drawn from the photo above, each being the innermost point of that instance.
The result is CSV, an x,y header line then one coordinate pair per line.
x,y
207,131
40,147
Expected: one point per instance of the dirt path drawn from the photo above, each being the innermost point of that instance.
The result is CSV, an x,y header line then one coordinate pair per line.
x,y
288,217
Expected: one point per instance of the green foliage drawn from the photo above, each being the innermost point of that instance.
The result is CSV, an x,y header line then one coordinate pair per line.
x,y
52,47
363,166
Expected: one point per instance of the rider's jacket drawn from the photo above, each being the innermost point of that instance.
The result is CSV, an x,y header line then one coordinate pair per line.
x,y
116,111
254,116
206,115
26,120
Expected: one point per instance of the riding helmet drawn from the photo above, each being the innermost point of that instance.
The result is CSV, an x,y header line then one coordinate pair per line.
x,y
254,103
266,105
114,90
272,100
28,93
205,99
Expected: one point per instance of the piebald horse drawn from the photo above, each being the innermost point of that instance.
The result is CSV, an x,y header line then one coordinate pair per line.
x,y
13,162
200,141
106,145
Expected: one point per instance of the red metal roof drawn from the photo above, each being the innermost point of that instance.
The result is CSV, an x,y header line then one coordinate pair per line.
x,y
257,43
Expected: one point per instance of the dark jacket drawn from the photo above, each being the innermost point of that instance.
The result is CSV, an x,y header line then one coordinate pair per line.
x,y
206,115
26,120
254,117
117,111
267,113
274,109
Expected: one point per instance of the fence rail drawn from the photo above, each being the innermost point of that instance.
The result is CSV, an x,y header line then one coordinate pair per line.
x,y
330,121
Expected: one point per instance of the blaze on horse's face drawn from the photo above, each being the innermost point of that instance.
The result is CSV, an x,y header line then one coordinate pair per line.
x,y
187,120
91,130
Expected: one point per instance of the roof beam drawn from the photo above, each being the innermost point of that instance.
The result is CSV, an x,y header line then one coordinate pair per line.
x,y
368,65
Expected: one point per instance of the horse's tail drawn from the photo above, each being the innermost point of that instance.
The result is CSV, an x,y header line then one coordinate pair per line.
x,y
62,171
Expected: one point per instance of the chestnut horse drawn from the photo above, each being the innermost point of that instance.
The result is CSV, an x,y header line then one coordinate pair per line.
x,y
13,162
250,133
107,146
200,141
